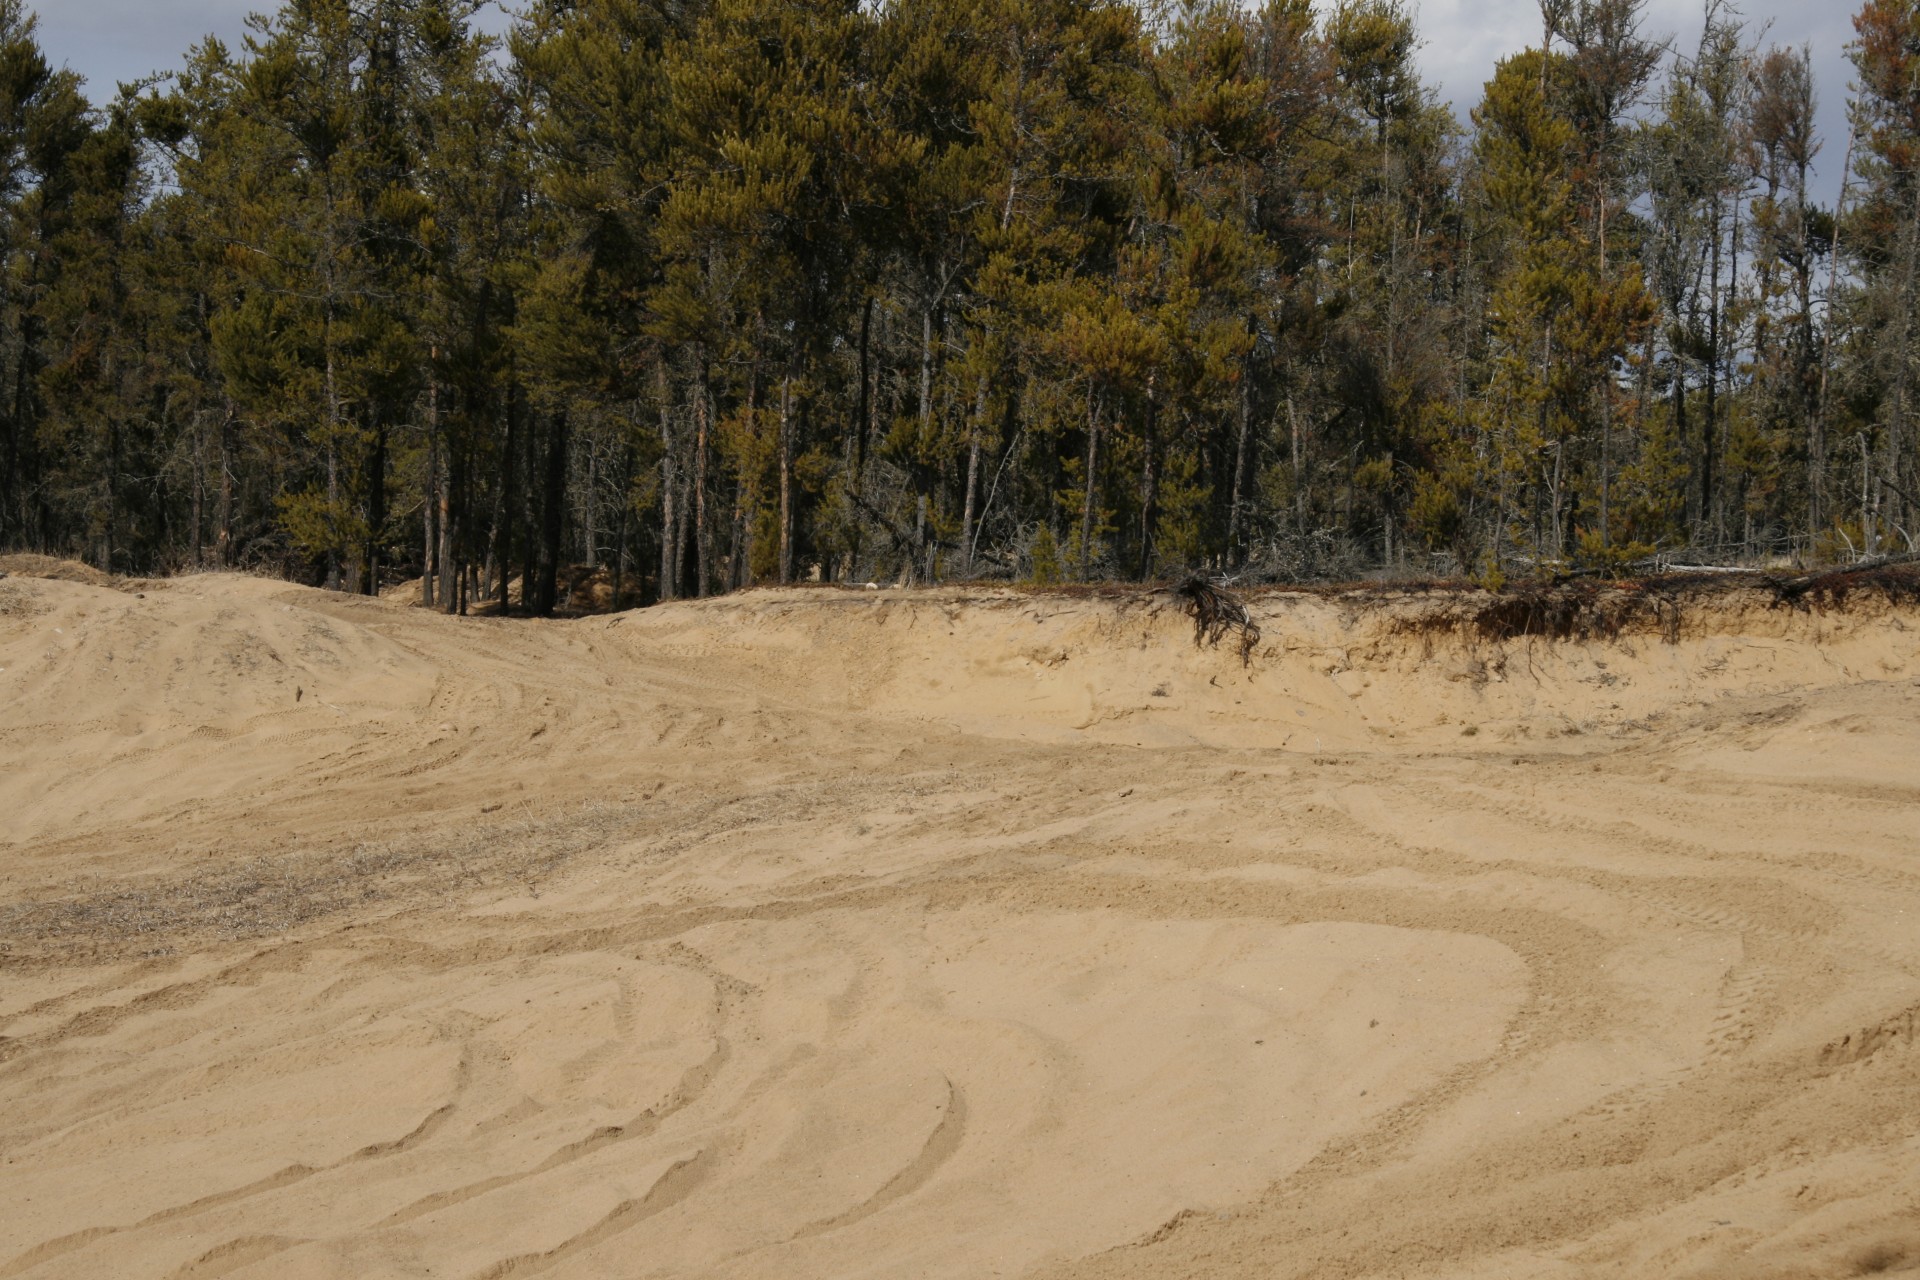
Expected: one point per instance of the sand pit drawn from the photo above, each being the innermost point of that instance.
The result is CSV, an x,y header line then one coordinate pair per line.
x,y
952,934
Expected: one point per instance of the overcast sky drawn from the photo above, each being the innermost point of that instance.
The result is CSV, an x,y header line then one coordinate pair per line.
x,y
108,41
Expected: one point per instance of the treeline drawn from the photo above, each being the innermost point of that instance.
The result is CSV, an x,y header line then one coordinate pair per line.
x,y
719,292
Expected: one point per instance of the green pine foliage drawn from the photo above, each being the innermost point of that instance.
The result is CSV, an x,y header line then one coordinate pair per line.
x,y
715,293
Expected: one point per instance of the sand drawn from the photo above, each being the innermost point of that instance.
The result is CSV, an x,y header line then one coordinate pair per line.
x,y
950,934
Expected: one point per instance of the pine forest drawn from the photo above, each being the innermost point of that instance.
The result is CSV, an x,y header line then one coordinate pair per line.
x,y
701,294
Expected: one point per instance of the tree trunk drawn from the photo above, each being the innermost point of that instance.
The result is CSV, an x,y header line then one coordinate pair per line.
x,y
1724,436
1237,495
1606,455
863,422
973,477
1299,474
739,542
1709,427
1680,398
1898,478
552,509
786,479
669,486
223,544
199,490
376,510
451,557
10,465
113,506
506,504
620,537
1092,488
589,516
926,368
1149,488
702,411
1817,424
430,563
333,457
429,520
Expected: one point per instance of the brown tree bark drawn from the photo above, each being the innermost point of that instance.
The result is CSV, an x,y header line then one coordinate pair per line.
x,y
786,479
223,538
1092,488
552,510
669,490
702,412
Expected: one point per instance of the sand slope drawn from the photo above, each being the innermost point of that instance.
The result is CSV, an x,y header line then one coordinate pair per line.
x,y
950,934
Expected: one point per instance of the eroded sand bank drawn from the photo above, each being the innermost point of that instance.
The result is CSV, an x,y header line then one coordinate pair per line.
x,y
951,934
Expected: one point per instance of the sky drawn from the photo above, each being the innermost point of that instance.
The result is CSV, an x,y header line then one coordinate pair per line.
x,y
109,41
1463,39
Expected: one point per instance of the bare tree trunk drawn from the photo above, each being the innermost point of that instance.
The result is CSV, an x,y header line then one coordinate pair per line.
x,y
973,477
552,511
1606,456
919,558
430,563
863,423
1709,428
669,488
1092,489
1817,421
1299,463
333,455
506,503
926,367
1149,487
669,526
1896,477
450,556
199,489
1725,436
429,533
112,487
786,479
223,538
1243,413
702,412
739,542
376,511
620,537
590,508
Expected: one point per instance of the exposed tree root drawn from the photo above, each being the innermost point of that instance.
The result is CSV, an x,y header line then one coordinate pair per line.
x,y
1215,613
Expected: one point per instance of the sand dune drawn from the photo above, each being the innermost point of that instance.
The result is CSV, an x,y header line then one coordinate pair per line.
x,y
951,934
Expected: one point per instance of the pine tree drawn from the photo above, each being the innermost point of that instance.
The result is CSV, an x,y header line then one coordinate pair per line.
x,y
708,293
1884,240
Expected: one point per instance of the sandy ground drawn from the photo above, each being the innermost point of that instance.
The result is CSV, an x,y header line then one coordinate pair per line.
x,y
821,934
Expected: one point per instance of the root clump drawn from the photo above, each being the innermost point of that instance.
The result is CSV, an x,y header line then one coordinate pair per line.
x,y
1215,613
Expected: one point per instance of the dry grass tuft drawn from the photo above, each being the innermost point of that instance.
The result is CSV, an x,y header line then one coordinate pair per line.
x,y
28,565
